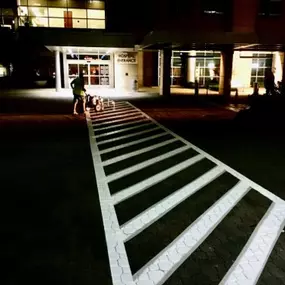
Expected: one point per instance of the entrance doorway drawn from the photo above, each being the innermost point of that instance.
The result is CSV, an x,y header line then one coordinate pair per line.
x,y
95,72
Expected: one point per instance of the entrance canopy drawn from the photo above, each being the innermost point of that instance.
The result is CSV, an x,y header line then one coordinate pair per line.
x,y
217,41
86,50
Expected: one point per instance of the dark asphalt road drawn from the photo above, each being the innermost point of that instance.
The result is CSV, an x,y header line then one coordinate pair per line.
x,y
52,225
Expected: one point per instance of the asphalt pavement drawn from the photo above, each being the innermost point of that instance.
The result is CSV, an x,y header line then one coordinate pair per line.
x,y
53,228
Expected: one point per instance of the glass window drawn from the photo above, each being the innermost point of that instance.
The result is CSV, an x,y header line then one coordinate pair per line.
x,y
23,11
79,23
96,24
96,14
259,65
73,70
57,3
56,12
93,4
78,13
104,57
23,2
37,2
176,61
56,22
39,22
76,3
38,12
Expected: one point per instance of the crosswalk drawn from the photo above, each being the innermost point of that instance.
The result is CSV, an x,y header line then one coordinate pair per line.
x,y
123,133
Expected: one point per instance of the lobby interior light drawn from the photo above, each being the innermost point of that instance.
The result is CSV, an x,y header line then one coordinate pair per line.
x,y
255,65
211,65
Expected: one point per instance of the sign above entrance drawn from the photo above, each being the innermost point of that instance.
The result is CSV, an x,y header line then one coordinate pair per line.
x,y
127,58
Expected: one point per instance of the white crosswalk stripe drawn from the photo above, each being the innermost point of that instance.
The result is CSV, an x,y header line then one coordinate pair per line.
x,y
137,152
247,267
128,136
145,164
117,116
145,219
99,126
143,185
133,122
193,236
146,123
131,143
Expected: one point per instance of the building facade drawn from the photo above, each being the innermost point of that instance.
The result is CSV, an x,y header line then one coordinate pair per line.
x,y
222,43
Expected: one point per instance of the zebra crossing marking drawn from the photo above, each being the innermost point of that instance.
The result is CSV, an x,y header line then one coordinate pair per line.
x,y
158,269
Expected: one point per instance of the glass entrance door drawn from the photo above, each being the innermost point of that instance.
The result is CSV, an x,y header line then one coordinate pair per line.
x,y
95,74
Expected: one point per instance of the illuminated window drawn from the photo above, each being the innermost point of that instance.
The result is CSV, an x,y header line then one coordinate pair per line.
x,y
78,13
38,11
62,14
207,66
37,3
23,11
23,2
56,12
56,22
270,7
260,63
76,4
93,4
57,3
79,23
39,22
96,14
96,24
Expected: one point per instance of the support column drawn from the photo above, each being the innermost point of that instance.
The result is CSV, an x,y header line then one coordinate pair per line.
x,y
140,69
191,74
57,72
165,68
283,72
65,70
226,71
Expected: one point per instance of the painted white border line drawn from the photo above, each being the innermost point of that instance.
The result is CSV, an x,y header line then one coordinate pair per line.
x,y
158,210
250,263
101,125
146,163
121,125
122,130
137,152
128,136
233,172
117,116
152,180
160,268
119,264
132,143
104,115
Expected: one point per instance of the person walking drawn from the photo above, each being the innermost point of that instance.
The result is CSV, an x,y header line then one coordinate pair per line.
x,y
79,90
